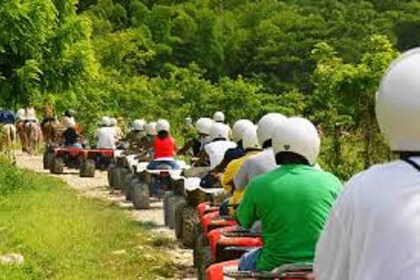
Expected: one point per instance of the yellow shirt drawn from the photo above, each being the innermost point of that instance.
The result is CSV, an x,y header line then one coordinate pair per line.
x,y
230,172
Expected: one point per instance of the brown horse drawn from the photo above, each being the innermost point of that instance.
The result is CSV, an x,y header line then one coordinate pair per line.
x,y
50,125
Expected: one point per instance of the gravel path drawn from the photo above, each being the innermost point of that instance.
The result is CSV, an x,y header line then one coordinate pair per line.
x,y
97,187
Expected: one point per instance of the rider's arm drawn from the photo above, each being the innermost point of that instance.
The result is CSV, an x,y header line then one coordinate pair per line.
x,y
202,159
247,211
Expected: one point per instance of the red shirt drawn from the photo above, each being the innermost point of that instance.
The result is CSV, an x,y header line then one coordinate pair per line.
x,y
165,147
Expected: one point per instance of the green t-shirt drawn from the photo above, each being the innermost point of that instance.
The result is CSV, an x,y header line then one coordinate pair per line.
x,y
293,203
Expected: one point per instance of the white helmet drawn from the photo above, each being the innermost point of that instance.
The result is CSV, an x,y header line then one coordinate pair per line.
x,y
238,129
138,125
398,103
203,125
162,125
113,121
297,135
219,117
250,139
70,123
266,126
219,130
151,128
106,121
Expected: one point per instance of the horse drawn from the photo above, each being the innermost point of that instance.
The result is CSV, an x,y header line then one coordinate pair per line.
x,y
50,125
50,132
8,137
34,137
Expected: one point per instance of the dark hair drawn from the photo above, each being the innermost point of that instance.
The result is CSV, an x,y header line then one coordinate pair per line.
x,y
290,158
267,144
240,143
163,134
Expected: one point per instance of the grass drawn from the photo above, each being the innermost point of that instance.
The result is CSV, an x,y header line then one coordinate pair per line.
x,y
64,236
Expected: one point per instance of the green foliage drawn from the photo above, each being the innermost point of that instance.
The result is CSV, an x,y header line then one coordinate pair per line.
x,y
158,58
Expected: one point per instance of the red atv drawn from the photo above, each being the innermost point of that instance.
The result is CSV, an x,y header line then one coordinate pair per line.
x,y
84,160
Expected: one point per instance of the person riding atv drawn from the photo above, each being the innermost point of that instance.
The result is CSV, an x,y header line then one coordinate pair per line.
x,y
262,162
106,135
292,201
71,138
196,144
251,147
164,147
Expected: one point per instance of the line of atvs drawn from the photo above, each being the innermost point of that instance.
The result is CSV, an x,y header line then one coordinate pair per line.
x,y
193,212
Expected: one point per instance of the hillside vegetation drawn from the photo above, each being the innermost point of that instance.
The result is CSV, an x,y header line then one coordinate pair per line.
x,y
322,59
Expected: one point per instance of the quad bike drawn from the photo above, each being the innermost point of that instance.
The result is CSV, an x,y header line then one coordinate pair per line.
x,y
71,158
117,171
228,270
101,157
152,183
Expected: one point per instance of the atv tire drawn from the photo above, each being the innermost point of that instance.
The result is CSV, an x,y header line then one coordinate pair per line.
x,y
109,176
189,222
202,256
124,173
48,160
127,186
87,168
57,166
116,178
141,196
166,196
179,209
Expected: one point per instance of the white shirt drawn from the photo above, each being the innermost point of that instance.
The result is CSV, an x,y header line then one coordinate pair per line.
x,y
374,229
216,151
106,138
253,166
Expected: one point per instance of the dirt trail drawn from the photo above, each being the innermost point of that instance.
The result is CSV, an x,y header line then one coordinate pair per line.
x,y
97,187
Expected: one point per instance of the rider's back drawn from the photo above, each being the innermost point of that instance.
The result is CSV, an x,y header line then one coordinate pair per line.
x,y
293,203
378,215
106,138
216,151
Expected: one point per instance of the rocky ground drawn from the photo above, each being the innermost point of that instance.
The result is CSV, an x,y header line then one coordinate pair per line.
x,y
97,187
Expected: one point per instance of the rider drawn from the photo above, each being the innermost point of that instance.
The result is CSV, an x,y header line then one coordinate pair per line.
x,y
251,147
236,152
135,136
264,161
71,137
146,142
216,149
164,147
197,143
374,228
292,201
106,135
